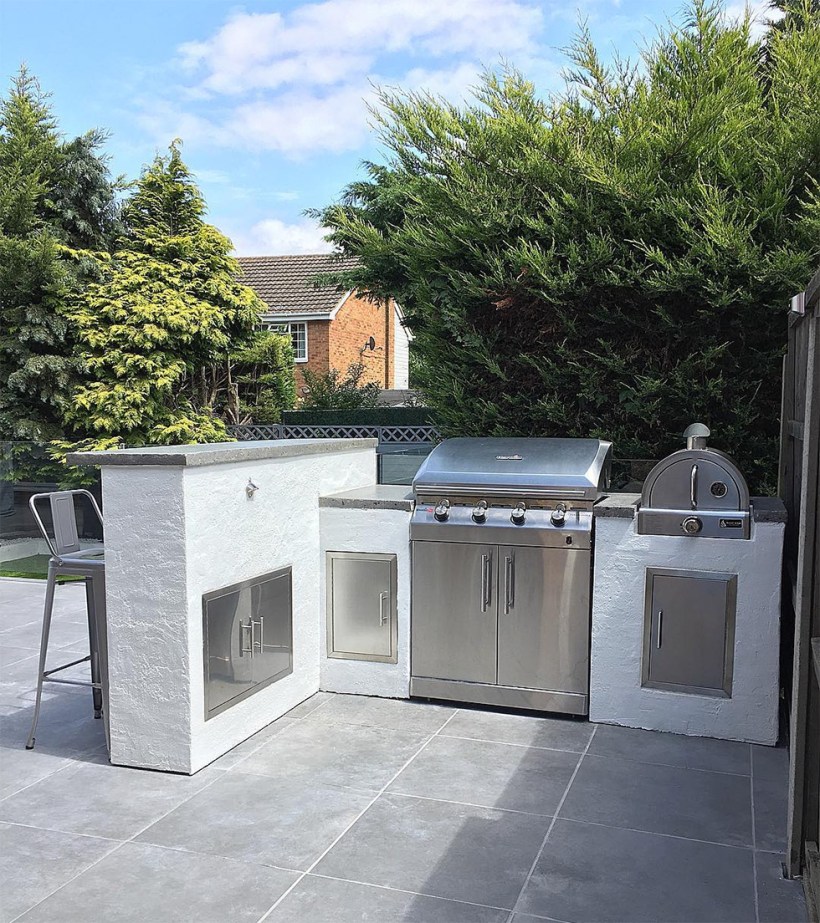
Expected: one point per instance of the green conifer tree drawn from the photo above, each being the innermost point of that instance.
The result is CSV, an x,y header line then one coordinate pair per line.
x,y
167,307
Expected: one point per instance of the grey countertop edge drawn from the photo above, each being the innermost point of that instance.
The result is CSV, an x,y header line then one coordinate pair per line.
x,y
375,497
624,506
217,453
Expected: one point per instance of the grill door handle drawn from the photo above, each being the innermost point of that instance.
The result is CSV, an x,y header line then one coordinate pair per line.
x,y
486,585
383,616
509,583
660,628
693,487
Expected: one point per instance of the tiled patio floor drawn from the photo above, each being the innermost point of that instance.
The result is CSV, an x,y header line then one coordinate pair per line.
x,y
357,809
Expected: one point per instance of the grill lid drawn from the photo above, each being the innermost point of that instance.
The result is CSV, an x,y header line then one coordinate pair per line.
x,y
535,467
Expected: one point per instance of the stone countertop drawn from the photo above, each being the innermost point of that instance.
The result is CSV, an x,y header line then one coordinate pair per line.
x,y
623,506
218,453
617,506
375,497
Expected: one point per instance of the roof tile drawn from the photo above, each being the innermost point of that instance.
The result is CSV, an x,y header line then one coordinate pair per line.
x,y
285,283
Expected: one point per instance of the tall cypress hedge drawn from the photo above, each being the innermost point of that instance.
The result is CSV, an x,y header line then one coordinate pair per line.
x,y
615,260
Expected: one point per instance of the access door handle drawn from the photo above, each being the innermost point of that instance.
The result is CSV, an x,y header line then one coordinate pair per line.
x,y
384,617
509,583
693,487
486,581
242,629
660,628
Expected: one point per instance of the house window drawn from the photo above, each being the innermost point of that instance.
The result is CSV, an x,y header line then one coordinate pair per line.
x,y
298,337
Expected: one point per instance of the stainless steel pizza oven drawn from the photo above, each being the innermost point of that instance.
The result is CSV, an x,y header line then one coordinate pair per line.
x,y
698,491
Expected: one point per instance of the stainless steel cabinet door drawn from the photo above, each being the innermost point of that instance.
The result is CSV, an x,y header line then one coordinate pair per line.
x,y
454,611
229,663
248,638
689,631
361,606
271,628
543,618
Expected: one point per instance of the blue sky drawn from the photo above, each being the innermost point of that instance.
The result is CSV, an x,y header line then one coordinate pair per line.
x,y
269,98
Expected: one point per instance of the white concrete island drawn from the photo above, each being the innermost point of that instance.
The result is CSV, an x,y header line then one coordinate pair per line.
x,y
182,522
244,577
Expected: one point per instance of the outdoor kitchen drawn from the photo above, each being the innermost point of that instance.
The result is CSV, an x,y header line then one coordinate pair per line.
x,y
242,578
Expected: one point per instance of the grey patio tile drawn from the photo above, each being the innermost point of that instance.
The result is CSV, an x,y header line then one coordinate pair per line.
x,y
398,714
779,900
672,749
33,863
662,799
446,850
240,751
66,726
325,900
254,819
303,709
770,809
771,763
591,874
344,755
62,634
20,768
139,883
98,799
9,655
490,774
553,733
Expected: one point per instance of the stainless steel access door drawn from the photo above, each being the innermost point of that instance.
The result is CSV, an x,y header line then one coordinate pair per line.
x,y
455,619
543,618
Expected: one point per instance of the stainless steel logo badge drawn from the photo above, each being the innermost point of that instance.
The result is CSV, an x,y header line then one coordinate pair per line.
x,y
509,457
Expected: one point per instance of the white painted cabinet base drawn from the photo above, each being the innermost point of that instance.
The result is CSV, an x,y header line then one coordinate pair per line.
x,y
616,693
379,531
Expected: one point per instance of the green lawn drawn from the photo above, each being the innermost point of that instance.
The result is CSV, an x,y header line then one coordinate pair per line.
x,y
35,566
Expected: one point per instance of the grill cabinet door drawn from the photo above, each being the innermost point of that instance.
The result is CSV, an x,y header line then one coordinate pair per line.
x,y
543,618
361,606
689,631
454,611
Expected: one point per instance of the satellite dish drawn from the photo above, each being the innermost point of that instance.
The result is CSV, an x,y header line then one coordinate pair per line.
x,y
371,344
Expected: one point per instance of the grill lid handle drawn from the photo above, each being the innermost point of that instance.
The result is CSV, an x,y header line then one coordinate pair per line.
x,y
695,436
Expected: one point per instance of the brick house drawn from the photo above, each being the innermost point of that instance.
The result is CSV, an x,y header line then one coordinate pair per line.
x,y
329,329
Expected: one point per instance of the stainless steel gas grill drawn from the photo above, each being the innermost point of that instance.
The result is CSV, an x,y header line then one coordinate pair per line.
x,y
697,491
502,565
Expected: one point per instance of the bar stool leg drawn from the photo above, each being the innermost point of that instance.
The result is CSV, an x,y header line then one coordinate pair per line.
x,y
47,610
96,694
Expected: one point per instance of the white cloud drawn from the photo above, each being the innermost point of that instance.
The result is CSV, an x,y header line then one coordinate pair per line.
x,y
273,236
298,82
332,41
760,12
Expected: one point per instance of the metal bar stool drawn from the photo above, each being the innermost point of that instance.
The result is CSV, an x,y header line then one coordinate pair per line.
x,y
68,558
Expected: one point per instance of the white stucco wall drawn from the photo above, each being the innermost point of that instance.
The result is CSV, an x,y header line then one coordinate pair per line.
x,y
378,531
616,695
173,534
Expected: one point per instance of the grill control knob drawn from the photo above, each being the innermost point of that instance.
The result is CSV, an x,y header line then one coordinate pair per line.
x,y
442,510
558,515
480,511
519,514
692,525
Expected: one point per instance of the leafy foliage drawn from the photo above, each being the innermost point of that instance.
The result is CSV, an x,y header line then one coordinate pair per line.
x,y
614,261
334,391
55,196
167,307
259,383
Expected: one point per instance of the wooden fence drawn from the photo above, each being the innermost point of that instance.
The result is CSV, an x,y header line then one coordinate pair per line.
x,y
799,488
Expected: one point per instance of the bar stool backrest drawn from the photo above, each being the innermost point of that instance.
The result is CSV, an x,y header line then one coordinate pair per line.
x,y
65,538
